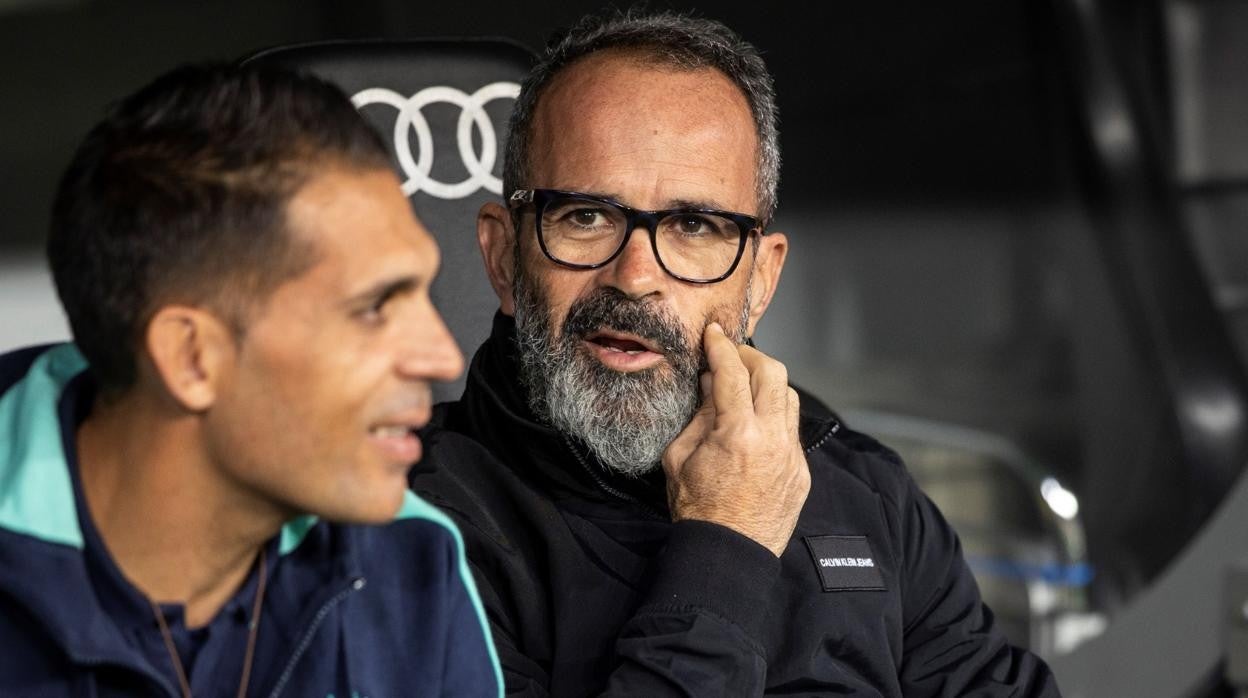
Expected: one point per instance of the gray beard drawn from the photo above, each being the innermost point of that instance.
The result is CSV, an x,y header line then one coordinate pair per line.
x,y
626,420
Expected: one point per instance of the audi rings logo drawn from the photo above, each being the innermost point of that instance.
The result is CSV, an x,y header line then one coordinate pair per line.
x,y
410,119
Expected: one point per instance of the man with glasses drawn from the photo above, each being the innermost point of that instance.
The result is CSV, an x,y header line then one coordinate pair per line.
x,y
650,509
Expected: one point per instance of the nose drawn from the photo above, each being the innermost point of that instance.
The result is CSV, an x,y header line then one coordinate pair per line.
x,y
429,351
636,270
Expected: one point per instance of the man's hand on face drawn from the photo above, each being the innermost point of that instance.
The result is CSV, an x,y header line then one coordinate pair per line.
x,y
739,462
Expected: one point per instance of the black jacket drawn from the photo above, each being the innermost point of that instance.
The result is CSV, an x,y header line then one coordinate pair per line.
x,y
590,588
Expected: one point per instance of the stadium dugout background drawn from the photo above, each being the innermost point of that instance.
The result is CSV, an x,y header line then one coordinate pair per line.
x,y
1021,236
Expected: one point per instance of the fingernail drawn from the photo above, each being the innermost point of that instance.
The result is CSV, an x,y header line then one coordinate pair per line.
x,y
716,326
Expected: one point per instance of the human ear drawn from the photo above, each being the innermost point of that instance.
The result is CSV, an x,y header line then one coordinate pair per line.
x,y
773,248
191,352
497,239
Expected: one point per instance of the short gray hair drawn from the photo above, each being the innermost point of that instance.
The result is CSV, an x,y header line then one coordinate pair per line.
x,y
667,38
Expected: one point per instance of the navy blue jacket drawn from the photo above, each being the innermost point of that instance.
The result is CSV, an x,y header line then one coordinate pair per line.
x,y
363,611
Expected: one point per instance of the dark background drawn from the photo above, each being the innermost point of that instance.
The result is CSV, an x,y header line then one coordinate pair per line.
x,y
929,128
919,101
951,258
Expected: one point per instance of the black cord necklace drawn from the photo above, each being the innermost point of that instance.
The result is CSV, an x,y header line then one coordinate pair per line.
x,y
253,628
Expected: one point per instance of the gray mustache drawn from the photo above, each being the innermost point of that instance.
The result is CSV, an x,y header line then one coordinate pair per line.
x,y
610,308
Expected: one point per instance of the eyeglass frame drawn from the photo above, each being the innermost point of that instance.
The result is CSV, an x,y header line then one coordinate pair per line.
x,y
634,218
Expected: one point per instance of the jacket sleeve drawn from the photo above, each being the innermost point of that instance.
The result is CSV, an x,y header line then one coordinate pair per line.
x,y
695,632
951,646
522,676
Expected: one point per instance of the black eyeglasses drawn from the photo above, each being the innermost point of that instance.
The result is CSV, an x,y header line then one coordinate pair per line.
x,y
580,231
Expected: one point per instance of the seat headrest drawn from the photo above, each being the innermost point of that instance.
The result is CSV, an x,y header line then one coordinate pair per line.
x,y
443,105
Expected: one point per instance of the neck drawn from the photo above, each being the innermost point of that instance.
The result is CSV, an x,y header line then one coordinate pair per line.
x,y
179,529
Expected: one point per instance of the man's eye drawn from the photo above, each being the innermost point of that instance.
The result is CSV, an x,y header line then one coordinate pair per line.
x,y
374,313
587,217
696,225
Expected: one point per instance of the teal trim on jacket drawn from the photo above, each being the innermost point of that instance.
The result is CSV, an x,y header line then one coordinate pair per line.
x,y
350,610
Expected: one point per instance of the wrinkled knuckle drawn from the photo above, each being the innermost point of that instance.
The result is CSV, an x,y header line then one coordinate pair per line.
x,y
773,371
751,433
781,372
774,398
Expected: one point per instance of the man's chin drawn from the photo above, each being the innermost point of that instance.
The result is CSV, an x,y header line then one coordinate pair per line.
x,y
379,504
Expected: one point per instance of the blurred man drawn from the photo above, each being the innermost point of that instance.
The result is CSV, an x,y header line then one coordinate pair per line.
x,y
253,346
650,509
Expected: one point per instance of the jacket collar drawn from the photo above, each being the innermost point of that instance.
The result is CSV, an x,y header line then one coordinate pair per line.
x,y
43,564
43,561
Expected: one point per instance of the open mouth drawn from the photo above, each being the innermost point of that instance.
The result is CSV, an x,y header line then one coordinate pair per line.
x,y
397,443
622,342
396,434
391,432
625,345
623,351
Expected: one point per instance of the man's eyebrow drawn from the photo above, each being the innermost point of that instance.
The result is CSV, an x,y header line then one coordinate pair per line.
x,y
385,289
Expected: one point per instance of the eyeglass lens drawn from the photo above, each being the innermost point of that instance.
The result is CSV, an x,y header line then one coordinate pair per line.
x,y
691,245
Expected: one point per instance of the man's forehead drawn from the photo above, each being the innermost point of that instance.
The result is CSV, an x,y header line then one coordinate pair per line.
x,y
360,226
618,75
649,136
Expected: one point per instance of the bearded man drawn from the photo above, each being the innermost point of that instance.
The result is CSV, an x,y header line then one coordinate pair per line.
x,y
649,508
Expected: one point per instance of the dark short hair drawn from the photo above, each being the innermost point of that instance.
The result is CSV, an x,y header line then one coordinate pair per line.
x,y
666,38
179,195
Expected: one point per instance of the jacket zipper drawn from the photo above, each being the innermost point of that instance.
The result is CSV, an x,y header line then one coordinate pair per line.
x,y
356,585
602,484
833,429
